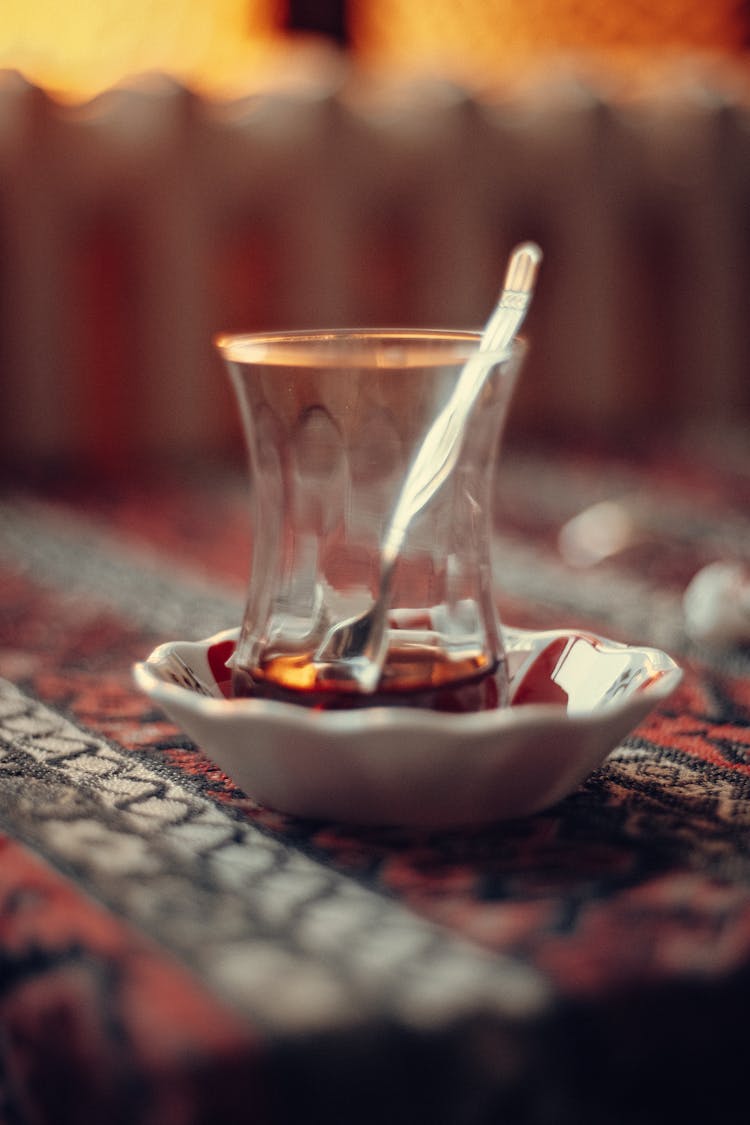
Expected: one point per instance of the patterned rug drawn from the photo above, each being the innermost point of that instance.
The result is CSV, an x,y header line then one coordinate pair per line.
x,y
171,951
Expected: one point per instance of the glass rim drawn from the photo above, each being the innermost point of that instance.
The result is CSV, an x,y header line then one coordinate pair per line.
x,y
254,347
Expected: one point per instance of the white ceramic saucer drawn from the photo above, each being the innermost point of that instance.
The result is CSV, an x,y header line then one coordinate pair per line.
x,y
574,696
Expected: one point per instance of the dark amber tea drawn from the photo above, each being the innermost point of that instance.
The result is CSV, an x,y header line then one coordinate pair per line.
x,y
413,676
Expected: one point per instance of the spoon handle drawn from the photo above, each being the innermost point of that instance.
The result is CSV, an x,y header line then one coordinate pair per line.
x,y
438,453
511,309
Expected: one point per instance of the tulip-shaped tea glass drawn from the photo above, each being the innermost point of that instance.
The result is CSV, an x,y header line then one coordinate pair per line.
x,y
332,421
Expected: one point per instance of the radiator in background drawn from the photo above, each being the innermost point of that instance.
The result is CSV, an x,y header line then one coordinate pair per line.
x,y
136,226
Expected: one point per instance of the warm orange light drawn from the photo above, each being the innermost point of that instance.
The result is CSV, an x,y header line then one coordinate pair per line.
x,y
480,38
80,48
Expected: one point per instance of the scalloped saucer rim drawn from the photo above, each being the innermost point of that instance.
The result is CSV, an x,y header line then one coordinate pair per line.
x,y
453,770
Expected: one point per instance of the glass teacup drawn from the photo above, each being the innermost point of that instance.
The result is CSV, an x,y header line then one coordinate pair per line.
x,y
332,421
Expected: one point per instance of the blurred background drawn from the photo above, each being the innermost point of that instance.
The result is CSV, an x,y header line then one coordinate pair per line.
x,y
174,168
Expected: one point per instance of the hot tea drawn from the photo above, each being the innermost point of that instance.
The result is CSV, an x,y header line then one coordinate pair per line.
x,y
413,676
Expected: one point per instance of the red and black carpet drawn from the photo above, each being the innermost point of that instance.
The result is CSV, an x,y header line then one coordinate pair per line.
x,y
171,952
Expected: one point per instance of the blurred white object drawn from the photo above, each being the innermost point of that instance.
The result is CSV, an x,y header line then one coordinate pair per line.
x,y
596,533
717,604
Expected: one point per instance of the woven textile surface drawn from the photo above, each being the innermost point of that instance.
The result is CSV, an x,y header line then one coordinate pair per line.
x,y
173,952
